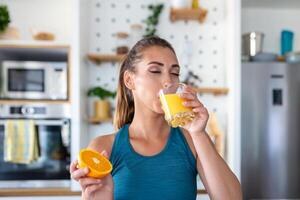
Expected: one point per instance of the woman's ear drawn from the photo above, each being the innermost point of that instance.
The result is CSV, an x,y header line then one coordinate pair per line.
x,y
128,80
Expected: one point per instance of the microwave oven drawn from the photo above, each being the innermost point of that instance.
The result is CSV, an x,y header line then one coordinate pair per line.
x,y
34,80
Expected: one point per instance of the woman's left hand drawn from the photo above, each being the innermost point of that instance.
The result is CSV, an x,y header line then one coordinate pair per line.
x,y
201,114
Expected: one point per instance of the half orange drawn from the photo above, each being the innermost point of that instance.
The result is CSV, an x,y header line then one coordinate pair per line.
x,y
98,165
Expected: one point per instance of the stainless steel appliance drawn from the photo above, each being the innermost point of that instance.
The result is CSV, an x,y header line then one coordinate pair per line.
x,y
52,123
252,43
34,80
270,131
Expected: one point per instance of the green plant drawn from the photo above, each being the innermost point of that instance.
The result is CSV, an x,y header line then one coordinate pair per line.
x,y
153,19
4,18
101,93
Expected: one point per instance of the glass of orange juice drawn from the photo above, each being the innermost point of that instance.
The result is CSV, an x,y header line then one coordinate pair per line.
x,y
176,114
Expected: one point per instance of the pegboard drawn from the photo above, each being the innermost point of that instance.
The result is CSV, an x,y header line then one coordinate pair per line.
x,y
205,44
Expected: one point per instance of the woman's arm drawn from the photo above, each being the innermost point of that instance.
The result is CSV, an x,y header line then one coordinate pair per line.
x,y
218,179
94,188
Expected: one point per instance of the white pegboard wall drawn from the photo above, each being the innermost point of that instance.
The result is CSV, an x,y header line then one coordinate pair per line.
x,y
206,40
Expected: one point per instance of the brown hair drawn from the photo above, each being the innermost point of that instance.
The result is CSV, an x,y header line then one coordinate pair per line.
x,y
125,103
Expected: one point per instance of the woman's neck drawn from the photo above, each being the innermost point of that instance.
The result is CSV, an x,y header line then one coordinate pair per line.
x,y
149,125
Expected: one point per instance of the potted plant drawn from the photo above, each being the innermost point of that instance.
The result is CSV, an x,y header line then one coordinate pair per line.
x,y
153,19
4,18
7,32
102,106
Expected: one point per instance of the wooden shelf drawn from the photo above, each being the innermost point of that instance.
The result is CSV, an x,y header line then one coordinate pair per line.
x,y
94,120
198,14
21,101
214,91
97,58
33,44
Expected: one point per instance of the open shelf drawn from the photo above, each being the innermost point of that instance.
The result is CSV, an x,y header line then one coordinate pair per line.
x,y
32,44
93,120
198,14
97,58
214,91
24,101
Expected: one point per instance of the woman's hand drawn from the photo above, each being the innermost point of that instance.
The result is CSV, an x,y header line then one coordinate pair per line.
x,y
92,188
201,114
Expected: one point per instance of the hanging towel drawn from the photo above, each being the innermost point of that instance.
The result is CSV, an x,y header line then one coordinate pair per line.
x,y
20,142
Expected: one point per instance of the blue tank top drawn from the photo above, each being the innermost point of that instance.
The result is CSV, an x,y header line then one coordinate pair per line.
x,y
168,175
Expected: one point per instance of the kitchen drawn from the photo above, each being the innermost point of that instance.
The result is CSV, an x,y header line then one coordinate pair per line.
x,y
88,38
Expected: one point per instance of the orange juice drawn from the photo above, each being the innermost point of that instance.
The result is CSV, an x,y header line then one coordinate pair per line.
x,y
175,113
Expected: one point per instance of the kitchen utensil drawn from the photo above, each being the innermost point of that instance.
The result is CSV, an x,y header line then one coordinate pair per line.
x,y
286,41
252,43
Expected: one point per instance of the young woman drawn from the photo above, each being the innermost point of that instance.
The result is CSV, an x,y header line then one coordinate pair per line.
x,y
150,159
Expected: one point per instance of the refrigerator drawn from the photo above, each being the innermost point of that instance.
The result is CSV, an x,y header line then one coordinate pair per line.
x,y
270,130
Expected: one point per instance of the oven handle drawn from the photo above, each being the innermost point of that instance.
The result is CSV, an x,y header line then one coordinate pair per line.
x,y
43,122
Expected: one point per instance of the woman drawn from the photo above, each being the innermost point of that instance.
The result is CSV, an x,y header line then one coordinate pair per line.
x,y
150,159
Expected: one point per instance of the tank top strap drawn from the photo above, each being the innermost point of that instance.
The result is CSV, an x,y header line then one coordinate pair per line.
x,y
119,144
178,136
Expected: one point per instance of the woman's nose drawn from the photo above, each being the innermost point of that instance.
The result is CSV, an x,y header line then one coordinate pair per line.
x,y
167,84
167,81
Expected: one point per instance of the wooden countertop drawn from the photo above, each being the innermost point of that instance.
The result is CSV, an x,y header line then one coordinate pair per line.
x,y
48,192
39,192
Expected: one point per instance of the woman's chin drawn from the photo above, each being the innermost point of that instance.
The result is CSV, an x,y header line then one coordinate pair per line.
x,y
159,110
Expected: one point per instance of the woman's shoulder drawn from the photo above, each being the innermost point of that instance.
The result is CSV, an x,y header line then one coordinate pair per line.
x,y
103,142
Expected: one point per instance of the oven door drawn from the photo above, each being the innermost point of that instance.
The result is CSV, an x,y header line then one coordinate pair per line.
x,y
52,167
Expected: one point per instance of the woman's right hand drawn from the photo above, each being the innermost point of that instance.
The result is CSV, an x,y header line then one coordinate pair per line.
x,y
92,188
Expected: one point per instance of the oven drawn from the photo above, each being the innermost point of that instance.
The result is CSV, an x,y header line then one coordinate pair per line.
x,y
52,127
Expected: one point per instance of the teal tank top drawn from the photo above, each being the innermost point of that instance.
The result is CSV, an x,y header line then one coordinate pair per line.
x,y
168,175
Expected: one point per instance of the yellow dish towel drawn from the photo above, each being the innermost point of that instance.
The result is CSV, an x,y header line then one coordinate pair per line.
x,y
20,142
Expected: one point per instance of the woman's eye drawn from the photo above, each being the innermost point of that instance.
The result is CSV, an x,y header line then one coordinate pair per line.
x,y
175,74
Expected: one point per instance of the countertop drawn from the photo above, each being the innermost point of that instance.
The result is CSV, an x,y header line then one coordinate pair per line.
x,y
49,192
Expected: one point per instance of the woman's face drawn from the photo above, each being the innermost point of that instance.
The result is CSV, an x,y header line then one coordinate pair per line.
x,y
157,68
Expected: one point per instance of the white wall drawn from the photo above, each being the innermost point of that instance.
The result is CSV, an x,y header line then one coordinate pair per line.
x,y
45,15
271,21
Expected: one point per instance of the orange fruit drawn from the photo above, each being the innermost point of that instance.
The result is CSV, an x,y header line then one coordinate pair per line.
x,y
98,165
